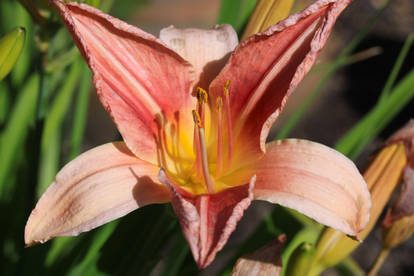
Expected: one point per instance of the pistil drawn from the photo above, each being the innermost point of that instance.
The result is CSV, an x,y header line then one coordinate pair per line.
x,y
203,152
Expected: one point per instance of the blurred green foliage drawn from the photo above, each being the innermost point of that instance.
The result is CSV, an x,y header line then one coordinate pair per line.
x,y
43,112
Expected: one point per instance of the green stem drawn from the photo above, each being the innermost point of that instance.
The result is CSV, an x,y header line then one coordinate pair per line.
x,y
379,262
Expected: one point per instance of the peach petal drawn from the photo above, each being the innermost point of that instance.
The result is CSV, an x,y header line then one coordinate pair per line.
x,y
136,76
265,69
206,50
100,185
207,221
315,180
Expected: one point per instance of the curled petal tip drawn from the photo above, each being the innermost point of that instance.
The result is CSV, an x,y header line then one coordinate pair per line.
x,y
315,180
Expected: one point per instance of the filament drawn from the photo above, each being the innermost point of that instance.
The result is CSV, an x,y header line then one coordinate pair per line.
x,y
219,104
202,153
229,124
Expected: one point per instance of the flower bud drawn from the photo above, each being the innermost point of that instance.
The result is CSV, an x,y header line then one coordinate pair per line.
x,y
266,14
300,260
11,46
400,231
398,225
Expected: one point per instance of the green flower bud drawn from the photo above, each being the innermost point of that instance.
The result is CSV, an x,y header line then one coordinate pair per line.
x,y
11,46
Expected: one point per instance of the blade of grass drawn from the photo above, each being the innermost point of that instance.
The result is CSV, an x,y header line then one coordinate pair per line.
x,y
14,135
102,235
176,257
349,60
350,143
148,251
290,124
349,267
5,103
80,113
397,67
383,113
50,144
61,247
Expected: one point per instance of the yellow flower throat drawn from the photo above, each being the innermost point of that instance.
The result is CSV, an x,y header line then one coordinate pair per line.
x,y
201,169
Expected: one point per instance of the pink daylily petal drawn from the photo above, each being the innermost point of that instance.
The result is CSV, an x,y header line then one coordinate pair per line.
x,y
266,68
100,185
137,78
315,180
206,50
208,220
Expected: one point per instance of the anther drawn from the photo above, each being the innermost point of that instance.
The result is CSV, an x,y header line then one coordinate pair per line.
x,y
219,104
196,118
226,87
202,95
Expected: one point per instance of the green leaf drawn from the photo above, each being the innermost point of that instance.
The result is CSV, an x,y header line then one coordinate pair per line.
x,y
349,267
235,13
50,144
80,113
177,256
362,133
14,135
5,103
100,237
60,248
378,118
397,67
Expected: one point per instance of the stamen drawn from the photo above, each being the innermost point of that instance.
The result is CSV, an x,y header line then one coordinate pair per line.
x,y
196,143
202,95
203,152
196,118
202,98
219,105
229,124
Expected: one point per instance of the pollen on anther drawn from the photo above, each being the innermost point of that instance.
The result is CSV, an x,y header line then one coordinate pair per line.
x,y
226,87
196,118
202,95
219,104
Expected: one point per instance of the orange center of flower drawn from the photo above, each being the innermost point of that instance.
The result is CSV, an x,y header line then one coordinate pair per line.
x,y
203,168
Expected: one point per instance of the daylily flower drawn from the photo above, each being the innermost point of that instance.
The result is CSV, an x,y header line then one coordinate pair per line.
x,y
195,110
